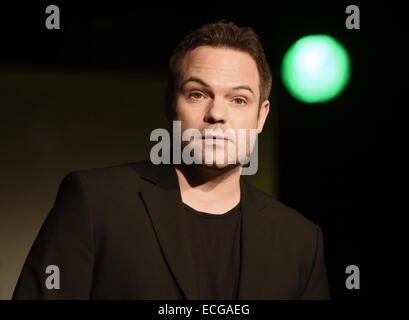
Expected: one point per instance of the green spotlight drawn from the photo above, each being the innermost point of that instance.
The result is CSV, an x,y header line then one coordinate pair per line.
x,y
315,68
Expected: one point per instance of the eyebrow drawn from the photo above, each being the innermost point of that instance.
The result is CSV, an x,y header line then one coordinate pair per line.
x,y
194,79
245,88
200,81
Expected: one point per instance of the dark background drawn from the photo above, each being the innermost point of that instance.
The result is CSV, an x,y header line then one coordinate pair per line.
x,y
336,161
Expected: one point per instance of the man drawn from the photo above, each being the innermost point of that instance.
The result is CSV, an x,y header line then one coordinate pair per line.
x,y
183,231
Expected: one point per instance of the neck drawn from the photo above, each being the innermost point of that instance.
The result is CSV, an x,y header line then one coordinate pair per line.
x,y
207,189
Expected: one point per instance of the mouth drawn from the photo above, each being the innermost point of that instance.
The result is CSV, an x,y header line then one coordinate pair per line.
x,y
215,138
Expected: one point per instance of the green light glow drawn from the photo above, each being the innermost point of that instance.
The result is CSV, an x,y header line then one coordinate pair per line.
x,y
315,68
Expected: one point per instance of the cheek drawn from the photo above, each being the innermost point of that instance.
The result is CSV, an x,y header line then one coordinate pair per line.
x,y
182,111
189,119
179,109
247,121
185,110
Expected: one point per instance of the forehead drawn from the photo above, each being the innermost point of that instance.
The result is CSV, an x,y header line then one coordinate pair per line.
x,y
222,67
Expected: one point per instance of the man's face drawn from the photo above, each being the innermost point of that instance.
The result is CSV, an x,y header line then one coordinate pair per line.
x,y
219,89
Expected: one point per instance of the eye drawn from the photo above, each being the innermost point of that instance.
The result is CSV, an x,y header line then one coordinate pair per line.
x,y
239,101
196,95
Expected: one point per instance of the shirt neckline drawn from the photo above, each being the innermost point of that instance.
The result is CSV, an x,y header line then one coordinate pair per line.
x,y
231,212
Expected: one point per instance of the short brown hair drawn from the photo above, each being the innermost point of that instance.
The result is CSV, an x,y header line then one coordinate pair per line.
x,y
221,34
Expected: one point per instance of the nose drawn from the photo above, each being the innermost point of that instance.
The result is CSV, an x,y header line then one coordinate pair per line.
x,y
216,112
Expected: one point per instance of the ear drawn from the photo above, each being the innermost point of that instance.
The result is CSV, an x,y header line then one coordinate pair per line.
x,y
262,115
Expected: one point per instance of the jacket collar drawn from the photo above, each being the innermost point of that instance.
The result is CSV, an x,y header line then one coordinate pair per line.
x,y
163,202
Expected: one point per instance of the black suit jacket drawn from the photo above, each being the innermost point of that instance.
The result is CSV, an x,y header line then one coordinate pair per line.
x,y
118,233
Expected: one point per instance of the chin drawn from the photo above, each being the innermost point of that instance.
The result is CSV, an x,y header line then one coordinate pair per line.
x,y
219,166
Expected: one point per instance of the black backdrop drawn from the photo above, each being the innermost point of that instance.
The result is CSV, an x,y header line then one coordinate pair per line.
x,y
337,161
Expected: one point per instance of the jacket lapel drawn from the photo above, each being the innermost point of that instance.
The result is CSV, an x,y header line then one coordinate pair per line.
x,y
164,204
257,238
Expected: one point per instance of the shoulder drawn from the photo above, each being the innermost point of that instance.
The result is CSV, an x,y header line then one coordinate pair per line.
x,y
298,246
110,177
289,222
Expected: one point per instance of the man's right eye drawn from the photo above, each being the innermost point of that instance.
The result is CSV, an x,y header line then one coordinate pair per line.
x,y
196,95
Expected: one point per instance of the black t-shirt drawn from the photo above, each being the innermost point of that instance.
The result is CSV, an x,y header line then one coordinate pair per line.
x,y
215,248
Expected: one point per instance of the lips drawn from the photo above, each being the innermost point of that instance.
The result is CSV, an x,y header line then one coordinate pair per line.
x,y
214,138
